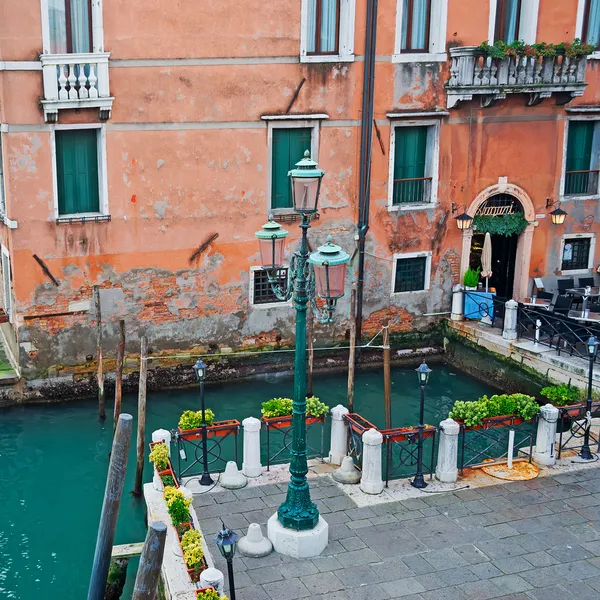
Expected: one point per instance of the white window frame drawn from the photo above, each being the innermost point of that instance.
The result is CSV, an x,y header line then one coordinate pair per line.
x,y
437,35
579,28
427,254
263,304
2,179
102,168
346,35
595,150
97,27
432,161
570,236
8,299
528,22
312,123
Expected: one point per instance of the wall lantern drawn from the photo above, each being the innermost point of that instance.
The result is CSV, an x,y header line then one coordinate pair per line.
x,y
464,220
558,214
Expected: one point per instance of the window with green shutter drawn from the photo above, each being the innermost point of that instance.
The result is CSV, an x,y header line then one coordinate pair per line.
x,y
77,171
581,176
410,164
289,146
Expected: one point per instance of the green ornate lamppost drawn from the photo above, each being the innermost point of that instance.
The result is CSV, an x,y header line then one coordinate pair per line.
x,y
321,274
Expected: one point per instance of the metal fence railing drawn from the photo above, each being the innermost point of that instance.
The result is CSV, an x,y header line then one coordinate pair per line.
x,y
412,191
401,447
572,424
581,183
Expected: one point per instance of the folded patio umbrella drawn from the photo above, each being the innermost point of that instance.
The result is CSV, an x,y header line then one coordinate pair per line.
x,y
486,260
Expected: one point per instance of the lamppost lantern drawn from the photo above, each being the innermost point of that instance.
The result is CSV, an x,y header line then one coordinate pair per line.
x,y
271,244
592,351
306,185
423,373
329,263
592,347
200,370
226,541
464,221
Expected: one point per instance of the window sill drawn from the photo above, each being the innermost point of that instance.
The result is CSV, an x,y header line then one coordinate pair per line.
x,y
82,218
594,55
272,304
578,198
326,58
576,272
418,57
410,207
285,215
394,294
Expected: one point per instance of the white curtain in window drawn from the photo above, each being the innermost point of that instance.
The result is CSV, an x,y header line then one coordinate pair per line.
x,y
593,29
311,28
80,25
511,8
328,25
58,26
418,31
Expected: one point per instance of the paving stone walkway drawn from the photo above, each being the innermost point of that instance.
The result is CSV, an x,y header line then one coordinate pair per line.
x,y
535,540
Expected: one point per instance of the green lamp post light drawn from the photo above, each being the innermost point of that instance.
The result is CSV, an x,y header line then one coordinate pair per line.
x,y
321,274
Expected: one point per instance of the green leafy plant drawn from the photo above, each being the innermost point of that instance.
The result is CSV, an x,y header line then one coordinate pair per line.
x,y
473,413
507,225
178,506
316,408
193,419
276,407
471,277
501,49
159,456
167,480
210,594
561,395
575,48
191,544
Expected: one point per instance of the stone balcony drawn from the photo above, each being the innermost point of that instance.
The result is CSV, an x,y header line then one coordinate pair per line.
x,y
472,73
75,81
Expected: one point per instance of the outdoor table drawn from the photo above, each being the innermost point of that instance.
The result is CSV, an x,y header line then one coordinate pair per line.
x,y
580,315
479,304
536,302
585,293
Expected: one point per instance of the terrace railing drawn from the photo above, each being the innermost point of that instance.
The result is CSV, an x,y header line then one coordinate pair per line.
x,y
412,191
573,419
581,183
401,447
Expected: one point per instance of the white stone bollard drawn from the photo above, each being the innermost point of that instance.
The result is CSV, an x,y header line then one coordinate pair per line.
x,y
232,479
160,435
509,332
251,466
543,453
213,577
254,544
371,481
338,446
447,463
458,303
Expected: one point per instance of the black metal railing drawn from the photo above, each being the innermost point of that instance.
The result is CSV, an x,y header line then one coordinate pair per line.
x,y
572,424
356,427
581,183
416,190
483,305
401,451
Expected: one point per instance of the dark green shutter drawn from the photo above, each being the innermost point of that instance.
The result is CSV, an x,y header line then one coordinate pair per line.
x,y
410,151
289,146
579,145
77,171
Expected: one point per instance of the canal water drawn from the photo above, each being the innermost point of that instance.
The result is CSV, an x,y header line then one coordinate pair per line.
x,y
54,460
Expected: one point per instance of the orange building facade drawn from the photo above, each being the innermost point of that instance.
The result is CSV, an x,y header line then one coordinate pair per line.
x,y
142,145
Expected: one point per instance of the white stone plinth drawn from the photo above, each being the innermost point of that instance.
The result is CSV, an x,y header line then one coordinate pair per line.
x,y
251,466
337,448
543,453
162,435
457,303
298,544
232,479
254,543
447,464
347,473
371,481
157,481
509,331
213,577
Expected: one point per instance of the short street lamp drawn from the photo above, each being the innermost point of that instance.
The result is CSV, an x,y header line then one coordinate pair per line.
x,y
592,352
321,274
423,374
226,540
200,371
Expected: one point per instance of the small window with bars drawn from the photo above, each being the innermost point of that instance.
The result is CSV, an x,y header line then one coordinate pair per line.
x,y
410,274
576,254
263,292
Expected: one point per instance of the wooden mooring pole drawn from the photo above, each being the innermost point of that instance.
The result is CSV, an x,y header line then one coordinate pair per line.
x,y
352,353
311,352
387,389
119,374
141,425
146,581
101,407
110,507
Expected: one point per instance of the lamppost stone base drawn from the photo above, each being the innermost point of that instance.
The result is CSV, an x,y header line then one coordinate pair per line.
x,y
298,544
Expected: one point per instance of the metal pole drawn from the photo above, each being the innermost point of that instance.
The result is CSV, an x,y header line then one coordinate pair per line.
x,y
119,374
585,453
100,374
352,353
387,386
206,479
141,426
311,352
419,481
298,511
110,507
146,581
230,575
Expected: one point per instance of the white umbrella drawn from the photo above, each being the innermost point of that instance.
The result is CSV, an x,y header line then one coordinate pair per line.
x,y
486,260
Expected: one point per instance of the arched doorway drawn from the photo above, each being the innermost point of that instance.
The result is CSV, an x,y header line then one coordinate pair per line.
x,y
514,252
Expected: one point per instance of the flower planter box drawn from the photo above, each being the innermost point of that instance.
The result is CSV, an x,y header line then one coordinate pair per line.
x,y
201,590
492,422
411,434
285,421
168,470
193,573
217,429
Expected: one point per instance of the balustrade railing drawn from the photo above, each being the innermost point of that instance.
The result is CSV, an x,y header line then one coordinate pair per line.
x,y
412,191
581,183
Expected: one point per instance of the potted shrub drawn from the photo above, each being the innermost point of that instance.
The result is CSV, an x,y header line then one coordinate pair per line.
x,y
209,593
562,396
159,457
190,425
193,553
178,507
493,412
471,278
277,412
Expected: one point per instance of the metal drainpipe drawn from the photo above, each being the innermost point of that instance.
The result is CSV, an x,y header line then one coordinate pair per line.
x,y
366,145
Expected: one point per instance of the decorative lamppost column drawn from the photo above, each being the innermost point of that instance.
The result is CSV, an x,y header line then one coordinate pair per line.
x,y
200,371
592,350
227,540
321,274
423,373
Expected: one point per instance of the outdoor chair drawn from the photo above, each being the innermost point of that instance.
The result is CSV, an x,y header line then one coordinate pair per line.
x,y
565,284
542,295
585,281
572,333
562,305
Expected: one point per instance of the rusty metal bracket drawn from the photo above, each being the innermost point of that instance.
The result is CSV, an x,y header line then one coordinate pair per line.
x,y
295,96
46,270
378,134
203,247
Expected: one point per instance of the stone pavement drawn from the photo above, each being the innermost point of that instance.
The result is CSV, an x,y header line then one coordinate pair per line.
x,y
534,540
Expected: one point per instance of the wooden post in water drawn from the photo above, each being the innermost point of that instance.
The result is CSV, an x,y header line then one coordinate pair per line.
x,y
119,374
101,408
352,353
110,507
387,390
311,352
141,425
146,581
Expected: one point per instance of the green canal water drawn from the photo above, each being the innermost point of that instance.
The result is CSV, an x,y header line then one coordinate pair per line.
x,y
55,457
